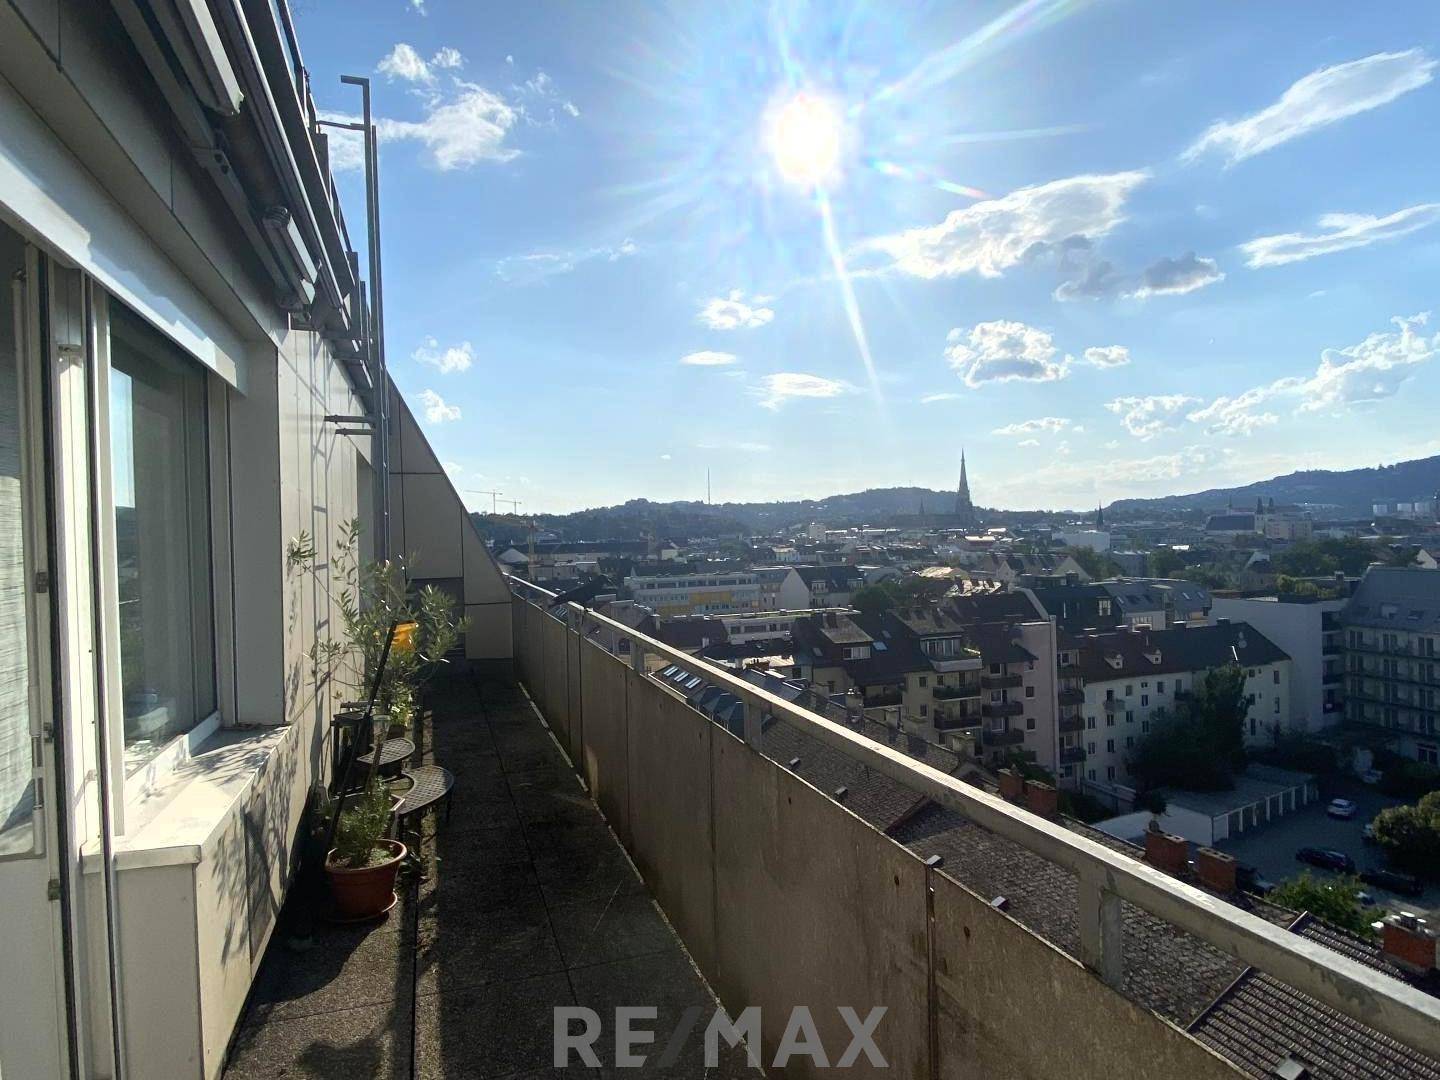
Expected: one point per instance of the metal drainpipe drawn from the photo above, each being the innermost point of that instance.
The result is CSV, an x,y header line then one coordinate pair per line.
x,y
377,313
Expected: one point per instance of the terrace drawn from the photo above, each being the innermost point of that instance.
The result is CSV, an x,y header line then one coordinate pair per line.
x,y
774,892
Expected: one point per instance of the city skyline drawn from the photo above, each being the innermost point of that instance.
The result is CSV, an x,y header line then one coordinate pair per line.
x,y
819,254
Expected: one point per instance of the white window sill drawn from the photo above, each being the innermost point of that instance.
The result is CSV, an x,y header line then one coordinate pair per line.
x,y
180,815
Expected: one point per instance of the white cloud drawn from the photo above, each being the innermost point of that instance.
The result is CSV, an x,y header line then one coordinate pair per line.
x,y
418,6
1340,233
1099,279
1002,350
447,57
1320,98
775,390
436,410
403,62
735,312
1235,415
1107,356
1028,442
528,269
459,132
1032,427
708,358
989,237
931,399
1374,369
1172,277
454,468
1191,459
448,360
1146,417
664,457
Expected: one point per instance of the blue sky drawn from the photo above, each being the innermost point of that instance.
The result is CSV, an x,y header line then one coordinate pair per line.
x,y
1111,248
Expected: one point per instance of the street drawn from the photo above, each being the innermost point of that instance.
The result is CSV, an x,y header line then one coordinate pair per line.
x,y
1271,848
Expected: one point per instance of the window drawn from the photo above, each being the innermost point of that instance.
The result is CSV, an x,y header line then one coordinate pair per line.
x,y
1129,689
1277,706
1144,700
1090,773
1090,749
1090,722
1129,741
1110,719
1144,727
1275,676
1029,691
159,469
1109,746
924,682
1160,687
1129,717
1029,723
1110,772
924,710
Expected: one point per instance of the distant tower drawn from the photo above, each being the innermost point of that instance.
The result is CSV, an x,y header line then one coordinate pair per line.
x,y
1259,505
964,508
1099,516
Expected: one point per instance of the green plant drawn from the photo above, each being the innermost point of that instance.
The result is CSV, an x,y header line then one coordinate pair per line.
x,y
1336,900
1410,835
362,825
372,597
1202,745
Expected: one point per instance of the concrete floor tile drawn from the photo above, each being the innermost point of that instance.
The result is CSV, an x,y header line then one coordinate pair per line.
x,y
497,1030
372,1042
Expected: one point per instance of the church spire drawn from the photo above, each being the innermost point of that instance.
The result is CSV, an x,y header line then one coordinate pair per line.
x,y
1099,516
964,508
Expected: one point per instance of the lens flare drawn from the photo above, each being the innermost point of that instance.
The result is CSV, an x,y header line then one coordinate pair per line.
x,y
804,137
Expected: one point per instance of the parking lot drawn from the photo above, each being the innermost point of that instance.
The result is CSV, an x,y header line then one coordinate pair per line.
x,y
1271,848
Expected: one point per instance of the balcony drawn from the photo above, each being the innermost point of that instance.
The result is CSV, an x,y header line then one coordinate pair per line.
x,y
1072,755
883,699
955,722
1007,737
1070,724
999,682
1114,705
769,876
1002,708
956,693
1071,697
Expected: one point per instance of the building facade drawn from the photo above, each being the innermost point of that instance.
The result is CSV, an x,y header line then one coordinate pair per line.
x,y
1310,633
1392,659
191,389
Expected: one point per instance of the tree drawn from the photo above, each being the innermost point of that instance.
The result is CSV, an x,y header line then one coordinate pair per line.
x,y
1202,745
873,599
1410,835
1166,562
1091,561
1336,900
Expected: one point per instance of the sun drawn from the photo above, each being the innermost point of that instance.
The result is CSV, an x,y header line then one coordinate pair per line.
x,y
804,136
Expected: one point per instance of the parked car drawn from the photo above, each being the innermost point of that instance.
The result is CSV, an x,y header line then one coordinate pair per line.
x,y
1248,878
1394,881
1344,809
1326,859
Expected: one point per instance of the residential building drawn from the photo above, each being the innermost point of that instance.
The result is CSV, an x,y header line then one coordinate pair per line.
x,y
696,593
192,394
830,586
1131,674
1023,569
782,589
1392,659
1308,629
1094,539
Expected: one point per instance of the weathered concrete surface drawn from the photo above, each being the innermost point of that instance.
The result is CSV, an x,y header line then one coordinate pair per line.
x,y
815,907
671,811
1013,1007
605,762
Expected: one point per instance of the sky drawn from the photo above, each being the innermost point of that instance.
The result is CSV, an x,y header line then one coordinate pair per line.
x,y
1110,249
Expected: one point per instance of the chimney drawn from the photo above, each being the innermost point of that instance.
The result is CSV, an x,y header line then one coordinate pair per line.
x,y
1216,870
1167,852
1409,943
1012,785
1041,799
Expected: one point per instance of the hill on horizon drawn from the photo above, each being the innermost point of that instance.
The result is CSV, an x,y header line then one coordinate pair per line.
x,y
1346,492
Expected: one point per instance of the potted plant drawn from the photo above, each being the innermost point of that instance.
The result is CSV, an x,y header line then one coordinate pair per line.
x,y
362,866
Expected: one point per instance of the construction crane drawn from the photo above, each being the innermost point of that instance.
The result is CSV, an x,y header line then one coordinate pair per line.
x,y
494,496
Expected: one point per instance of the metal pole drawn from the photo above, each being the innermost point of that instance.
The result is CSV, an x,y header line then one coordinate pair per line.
x,y
376,342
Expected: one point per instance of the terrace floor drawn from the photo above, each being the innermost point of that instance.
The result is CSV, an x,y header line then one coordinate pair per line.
x,y
529,903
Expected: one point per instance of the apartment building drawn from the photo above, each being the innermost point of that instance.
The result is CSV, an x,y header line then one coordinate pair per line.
x,y
915,668
191,382
1308,629
696,593
1128,675
831,585
1391,626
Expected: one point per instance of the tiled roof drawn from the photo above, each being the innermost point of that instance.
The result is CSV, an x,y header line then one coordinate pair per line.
x,y
994,607
1259,1021
1396,598
838,577
1180,649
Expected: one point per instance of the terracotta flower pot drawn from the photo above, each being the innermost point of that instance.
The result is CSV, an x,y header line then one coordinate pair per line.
x,y
366,893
